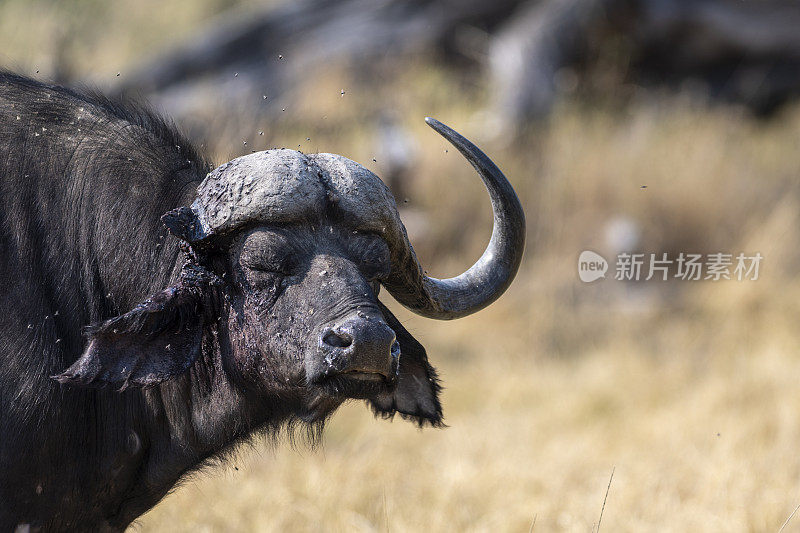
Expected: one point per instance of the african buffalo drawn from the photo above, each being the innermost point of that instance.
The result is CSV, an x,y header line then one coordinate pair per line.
x,y
156,312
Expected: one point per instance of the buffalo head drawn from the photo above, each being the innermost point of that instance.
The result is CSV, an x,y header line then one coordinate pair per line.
x,y
286,256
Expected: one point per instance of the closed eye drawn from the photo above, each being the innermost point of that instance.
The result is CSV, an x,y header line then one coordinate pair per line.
x,y
283,264
282,268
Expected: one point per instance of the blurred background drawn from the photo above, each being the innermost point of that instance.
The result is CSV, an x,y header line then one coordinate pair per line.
x,y
625,126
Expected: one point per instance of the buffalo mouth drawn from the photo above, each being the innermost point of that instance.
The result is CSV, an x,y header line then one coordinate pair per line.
x,y
355,384
364,376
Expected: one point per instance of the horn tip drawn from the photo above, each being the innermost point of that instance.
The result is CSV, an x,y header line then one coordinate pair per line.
x,y
432,122
440,128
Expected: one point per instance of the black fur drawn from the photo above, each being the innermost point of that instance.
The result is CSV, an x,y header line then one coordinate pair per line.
x,y
83,182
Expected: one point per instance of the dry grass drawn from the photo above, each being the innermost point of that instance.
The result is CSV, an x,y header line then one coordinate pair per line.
x,y
688,390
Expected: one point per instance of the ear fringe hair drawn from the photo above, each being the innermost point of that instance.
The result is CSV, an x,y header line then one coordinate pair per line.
x,y
187,298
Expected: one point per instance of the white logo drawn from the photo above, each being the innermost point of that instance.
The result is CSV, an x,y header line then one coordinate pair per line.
x,y
591,266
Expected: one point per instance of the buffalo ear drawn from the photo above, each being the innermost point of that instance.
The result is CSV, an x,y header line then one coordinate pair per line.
x,y
417,394
156,341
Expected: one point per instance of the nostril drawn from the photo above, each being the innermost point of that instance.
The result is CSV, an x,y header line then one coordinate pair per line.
x,y
337,340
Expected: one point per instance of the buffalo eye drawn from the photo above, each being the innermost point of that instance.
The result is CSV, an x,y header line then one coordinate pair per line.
x,y
283,266
267,275
270,252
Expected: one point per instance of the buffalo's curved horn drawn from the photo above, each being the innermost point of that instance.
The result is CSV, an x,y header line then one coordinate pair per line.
x,y
491,275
